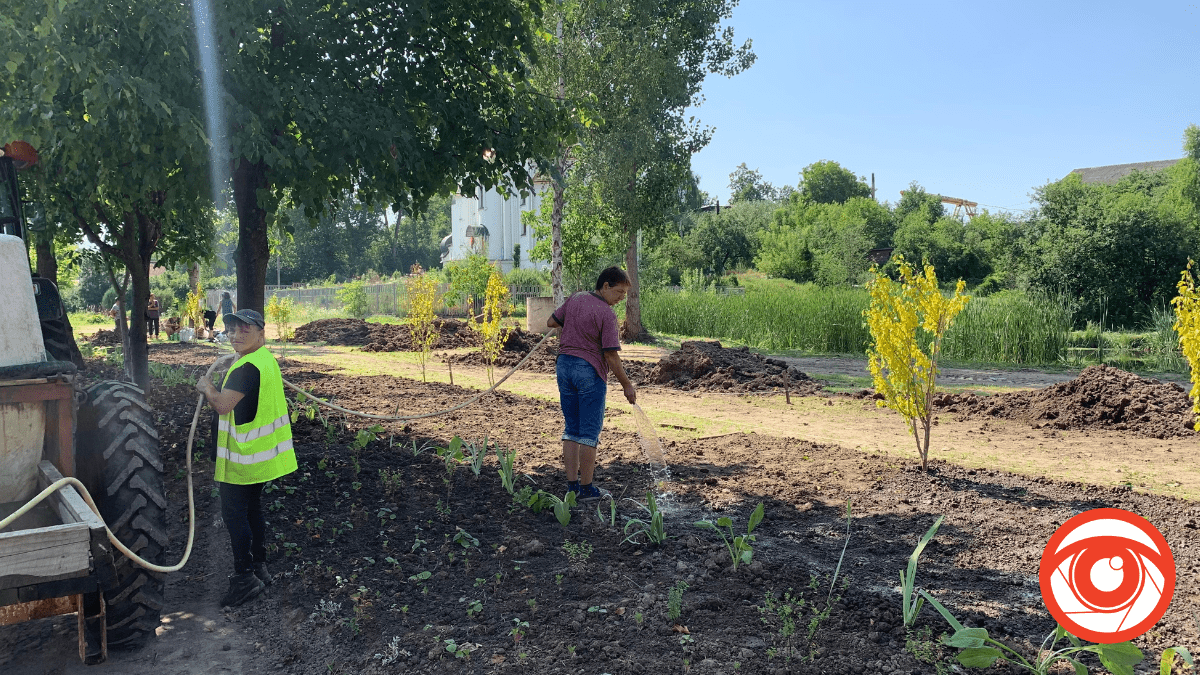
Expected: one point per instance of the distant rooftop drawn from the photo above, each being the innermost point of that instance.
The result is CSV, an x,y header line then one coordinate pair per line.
x,y
1112,173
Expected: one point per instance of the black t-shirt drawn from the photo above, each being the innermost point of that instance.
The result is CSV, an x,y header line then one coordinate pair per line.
x,y
246,380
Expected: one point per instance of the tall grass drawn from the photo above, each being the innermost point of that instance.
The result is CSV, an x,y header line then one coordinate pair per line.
x,y
1005,328
1011,327
806,318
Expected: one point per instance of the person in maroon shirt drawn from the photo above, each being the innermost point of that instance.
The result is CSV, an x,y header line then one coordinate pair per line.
x,y
589,347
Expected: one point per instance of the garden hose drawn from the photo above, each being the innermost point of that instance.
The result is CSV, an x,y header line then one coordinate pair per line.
x,y
87,497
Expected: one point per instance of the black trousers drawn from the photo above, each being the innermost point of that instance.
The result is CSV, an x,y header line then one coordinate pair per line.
x,y
241,509
210,319
152,326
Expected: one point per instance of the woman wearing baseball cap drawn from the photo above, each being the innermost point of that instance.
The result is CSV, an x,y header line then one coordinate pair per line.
x,y
254,445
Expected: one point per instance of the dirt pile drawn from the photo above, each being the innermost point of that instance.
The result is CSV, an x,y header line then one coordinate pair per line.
x,y
707,366
1101,397
105,338
381,337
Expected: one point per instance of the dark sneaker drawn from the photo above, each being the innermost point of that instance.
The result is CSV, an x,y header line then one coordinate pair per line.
x,y
260,571
243,588
591,493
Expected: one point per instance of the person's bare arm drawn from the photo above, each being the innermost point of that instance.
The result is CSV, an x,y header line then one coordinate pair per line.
x,y
221,401
552,322
613,358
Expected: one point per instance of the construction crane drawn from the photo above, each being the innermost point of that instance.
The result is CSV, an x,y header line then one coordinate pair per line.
x,y
961,206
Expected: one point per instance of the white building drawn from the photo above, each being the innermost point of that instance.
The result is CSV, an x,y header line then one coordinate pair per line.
x,y
490,224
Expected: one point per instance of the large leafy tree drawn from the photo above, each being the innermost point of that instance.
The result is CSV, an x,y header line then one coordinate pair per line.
x,y
395,102
646,61
827,182
108,93
747,185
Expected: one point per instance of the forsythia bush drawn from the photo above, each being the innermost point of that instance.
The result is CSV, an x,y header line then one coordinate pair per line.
x,y
491,329
279,312
193,308
904,315
1187,324
422,296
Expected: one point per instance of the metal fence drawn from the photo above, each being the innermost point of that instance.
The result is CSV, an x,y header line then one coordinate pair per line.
x,y
384,298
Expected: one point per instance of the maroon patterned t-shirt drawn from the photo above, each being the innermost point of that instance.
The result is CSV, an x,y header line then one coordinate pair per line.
x,y
589,328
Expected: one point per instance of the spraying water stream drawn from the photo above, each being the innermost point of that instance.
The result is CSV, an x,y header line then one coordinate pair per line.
x,y
656,457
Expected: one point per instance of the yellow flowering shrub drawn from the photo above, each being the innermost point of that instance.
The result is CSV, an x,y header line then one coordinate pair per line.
x,y
193,308
1187,325
908,319
422,297
491,327
279,312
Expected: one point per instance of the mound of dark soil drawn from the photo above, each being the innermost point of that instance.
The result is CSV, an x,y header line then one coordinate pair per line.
x,y
352,332
1101,397
707,366
381,337
105,338
452,334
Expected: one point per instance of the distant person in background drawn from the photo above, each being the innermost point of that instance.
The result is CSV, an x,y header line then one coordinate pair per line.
x,y
210,319
153,311
227,307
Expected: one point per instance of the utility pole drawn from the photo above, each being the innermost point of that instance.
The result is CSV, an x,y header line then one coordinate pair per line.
x,y
873,186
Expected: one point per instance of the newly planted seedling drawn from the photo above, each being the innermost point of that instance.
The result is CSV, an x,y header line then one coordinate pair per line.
x,y
675,600
911,605
653,531
980,650
475,453
507,478
740,550
577,554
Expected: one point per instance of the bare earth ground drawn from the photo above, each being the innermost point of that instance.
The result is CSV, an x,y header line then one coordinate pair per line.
x,y
1003,485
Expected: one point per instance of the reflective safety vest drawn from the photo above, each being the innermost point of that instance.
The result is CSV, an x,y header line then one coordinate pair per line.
x,y
261,450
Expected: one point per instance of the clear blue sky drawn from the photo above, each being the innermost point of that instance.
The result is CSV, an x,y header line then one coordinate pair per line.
x,y
981,102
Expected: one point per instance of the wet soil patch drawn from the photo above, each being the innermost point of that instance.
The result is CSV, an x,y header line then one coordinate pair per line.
x,y
1102,397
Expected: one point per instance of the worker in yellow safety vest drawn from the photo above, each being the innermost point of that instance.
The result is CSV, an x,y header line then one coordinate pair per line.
x,y
254,445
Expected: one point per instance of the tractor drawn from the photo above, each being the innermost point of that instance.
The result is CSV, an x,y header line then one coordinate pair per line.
x,y
57,558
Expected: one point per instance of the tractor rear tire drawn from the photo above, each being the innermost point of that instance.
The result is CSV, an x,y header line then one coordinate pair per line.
x,y
57,339
117,458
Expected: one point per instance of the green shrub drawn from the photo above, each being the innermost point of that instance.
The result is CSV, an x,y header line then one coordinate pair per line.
x,y
353,297
527,277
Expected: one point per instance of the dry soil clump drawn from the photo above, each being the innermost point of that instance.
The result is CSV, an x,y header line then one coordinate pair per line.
x,y
1101,397
380,337
105,338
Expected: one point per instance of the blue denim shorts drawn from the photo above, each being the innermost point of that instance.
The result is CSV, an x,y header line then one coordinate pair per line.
x,y
581,392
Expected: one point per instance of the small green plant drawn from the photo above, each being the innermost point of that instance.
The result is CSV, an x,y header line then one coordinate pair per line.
x,y
577,553
1168,659
558,579
473,608
911,605
464,539
507,478
653,531
562,507
637,617
475,454
460,651
740,550
675,600
518,630
782,614
980,650
391,480
814,622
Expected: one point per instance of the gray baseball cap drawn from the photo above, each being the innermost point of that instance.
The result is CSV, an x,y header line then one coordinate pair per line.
x,y
247,316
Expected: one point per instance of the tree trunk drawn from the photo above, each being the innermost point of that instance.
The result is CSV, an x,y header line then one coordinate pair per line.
x,y
47,268
556,264
194,276
253,250
143,233
632,331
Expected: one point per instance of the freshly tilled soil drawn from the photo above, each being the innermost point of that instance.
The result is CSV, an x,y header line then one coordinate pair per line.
x,y
380,337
